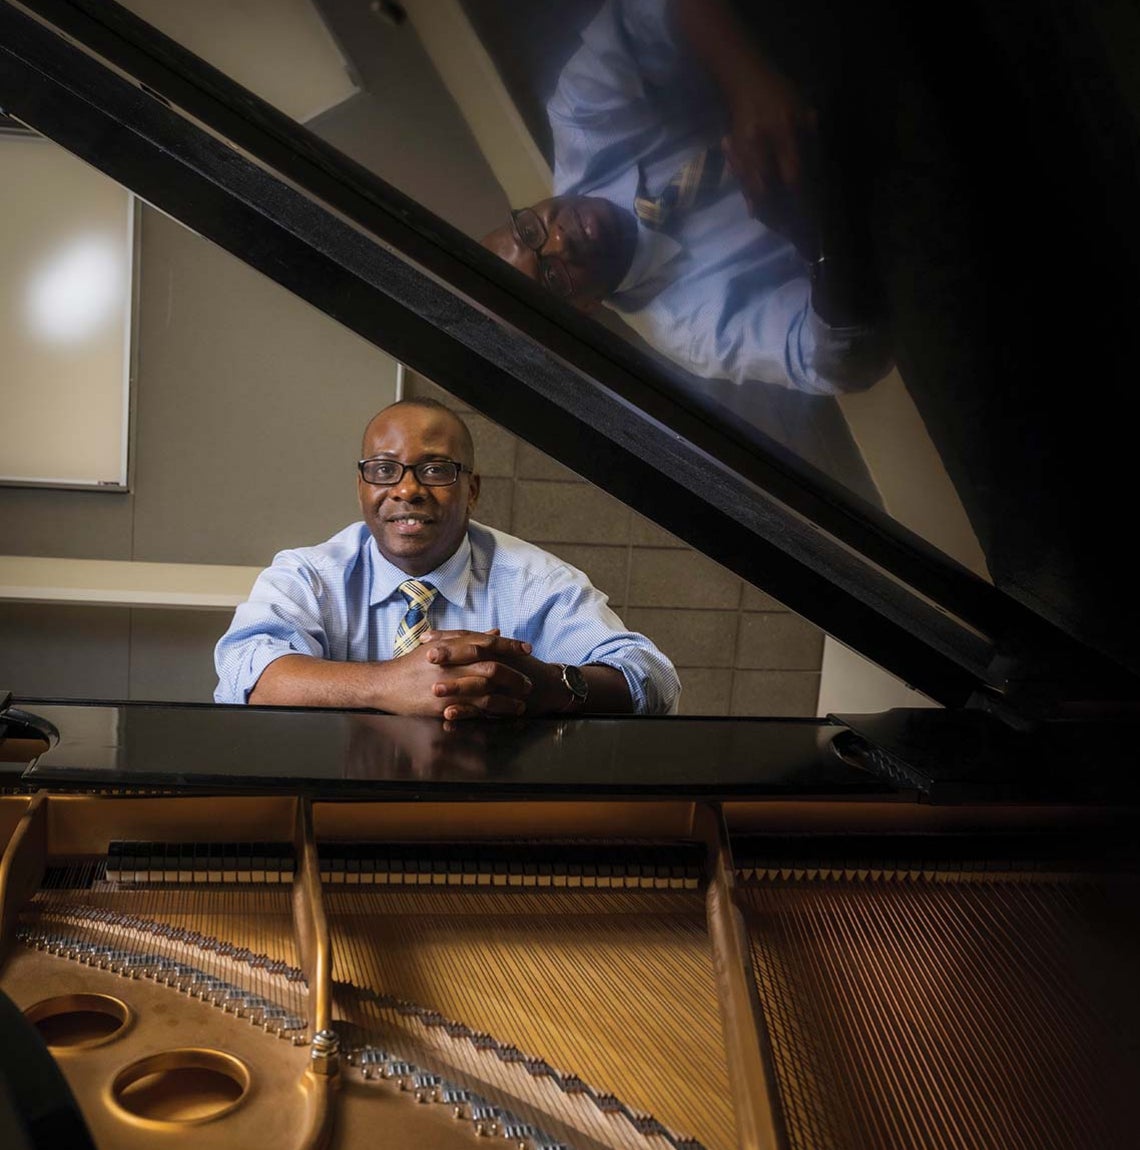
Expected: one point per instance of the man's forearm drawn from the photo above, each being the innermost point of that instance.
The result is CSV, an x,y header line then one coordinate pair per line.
x,y
609,692
413,684
304,681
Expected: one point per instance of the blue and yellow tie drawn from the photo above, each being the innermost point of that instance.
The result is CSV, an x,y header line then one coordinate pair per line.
x,y
691,185
415,622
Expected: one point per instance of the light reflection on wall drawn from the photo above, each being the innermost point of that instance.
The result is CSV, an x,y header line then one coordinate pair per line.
x,y
77,289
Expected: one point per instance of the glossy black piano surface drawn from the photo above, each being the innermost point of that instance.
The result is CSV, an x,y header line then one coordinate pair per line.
x,y
902,755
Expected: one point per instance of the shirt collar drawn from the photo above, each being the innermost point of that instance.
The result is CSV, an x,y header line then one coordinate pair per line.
x,y
652,252
450,578
652,249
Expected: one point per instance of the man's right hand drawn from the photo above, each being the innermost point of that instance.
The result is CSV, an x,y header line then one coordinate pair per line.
x,y
463,674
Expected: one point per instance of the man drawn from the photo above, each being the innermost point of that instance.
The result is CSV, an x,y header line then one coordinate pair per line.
x,y
719,277
417,610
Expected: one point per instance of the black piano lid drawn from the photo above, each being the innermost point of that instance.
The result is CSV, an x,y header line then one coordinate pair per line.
x,y
358,754
924,755
1016,339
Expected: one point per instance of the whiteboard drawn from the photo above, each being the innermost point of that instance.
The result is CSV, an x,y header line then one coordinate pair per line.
x,y
67,237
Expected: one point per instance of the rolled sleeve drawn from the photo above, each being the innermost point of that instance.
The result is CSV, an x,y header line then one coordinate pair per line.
x,y
576,625
652,681
281,617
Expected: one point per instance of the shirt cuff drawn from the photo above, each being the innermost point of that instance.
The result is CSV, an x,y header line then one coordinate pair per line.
x,y
637,679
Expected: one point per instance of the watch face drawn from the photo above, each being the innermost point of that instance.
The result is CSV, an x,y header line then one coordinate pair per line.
x,y
575,681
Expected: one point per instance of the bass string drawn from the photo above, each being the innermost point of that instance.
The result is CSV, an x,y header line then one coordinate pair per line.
x,y
935,1020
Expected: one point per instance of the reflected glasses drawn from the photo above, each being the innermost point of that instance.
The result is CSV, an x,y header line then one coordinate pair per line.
x,y
430,473
530,231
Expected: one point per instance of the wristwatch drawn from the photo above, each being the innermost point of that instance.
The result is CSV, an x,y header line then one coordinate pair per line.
x,y
574,682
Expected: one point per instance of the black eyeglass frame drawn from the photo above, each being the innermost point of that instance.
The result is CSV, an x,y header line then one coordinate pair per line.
x,y
561,283
414,468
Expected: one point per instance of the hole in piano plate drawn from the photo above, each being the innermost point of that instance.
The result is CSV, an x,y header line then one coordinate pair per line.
x,y
79,1021
188,1086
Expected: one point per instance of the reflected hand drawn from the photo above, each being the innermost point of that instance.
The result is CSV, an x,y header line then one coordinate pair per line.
x,y
399,747
771,125
771,135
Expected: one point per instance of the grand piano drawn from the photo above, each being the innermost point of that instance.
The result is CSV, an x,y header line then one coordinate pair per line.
x,y
307,928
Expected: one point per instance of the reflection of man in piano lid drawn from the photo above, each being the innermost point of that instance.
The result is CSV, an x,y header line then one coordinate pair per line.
x,y
397,747
418,610
684,204
403,747
578,247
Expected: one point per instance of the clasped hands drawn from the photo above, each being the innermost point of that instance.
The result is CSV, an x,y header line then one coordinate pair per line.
x,y
769,147
476,674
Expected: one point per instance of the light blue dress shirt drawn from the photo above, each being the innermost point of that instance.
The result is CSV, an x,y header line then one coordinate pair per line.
x,y
721,295
340,601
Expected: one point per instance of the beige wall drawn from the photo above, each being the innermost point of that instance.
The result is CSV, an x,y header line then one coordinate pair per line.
x,y
738,652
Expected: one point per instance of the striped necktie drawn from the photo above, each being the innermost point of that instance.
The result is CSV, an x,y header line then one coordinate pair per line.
x,y
415,622
695,180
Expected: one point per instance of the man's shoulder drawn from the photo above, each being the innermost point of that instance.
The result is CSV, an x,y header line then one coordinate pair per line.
x,y
496,554
340,552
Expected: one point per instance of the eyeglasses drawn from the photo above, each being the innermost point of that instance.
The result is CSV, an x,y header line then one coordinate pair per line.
x,y
531,232
429,473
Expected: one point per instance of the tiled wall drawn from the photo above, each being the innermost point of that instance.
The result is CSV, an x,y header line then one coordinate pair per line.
x,y
738,652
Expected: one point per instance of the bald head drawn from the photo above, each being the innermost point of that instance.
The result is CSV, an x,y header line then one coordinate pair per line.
x,y
429,407
577,247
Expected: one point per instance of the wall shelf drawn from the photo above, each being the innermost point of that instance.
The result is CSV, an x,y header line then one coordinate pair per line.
x,y
122,583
